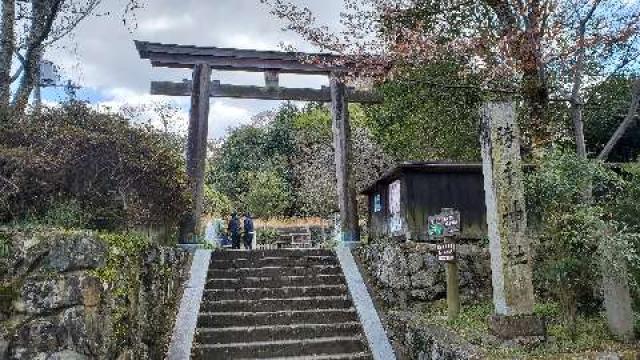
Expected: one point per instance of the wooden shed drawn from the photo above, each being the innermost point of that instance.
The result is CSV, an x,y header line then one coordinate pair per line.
x,y
402,199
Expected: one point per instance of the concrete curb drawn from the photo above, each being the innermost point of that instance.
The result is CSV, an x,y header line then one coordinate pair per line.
x,y
376,336
185,326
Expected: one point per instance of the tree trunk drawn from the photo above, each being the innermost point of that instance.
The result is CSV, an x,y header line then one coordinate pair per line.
x,y
578,129
44,13
536,96
7,47
626,123
576,103
28,80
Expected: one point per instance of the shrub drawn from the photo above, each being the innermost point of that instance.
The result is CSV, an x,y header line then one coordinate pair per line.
x,y
118,174
267,236
570,201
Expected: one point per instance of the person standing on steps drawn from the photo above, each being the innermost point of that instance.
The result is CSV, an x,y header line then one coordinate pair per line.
x,y
248,231
234,230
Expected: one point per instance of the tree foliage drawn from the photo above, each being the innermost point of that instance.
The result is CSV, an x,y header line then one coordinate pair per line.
x,y
420,121
268,196
288,162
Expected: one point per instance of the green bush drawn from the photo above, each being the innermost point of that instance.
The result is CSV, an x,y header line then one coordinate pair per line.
x,y
215,202
570,201
74,166
267,236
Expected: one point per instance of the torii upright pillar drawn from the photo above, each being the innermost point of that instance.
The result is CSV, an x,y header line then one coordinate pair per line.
x,y
349,228
197,150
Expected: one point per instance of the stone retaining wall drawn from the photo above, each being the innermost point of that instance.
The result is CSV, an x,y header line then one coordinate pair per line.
x,y
406,272
419,341
63,296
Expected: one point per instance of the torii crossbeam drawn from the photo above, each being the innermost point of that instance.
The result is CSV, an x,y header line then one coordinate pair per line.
x,y
204,59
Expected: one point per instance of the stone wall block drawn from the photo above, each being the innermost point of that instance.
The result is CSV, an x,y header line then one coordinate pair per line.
x,y
67,355
44,294
40,335
415,262
80,251
393,269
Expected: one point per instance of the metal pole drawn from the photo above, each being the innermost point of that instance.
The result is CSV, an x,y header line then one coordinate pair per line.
x,y
37,96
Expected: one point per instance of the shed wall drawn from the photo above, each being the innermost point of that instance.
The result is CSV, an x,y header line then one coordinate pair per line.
x,y
430,192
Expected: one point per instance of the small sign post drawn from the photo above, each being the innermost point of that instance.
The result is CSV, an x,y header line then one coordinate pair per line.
x,y
446,227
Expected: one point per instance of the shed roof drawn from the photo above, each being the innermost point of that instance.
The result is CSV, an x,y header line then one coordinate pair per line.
x,y
423,167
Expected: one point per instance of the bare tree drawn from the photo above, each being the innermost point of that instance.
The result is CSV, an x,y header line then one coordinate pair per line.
x,y
606,43
28,27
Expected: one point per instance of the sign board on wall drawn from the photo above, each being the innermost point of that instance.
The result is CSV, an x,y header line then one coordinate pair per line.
x,y
447,223
377,203
395,218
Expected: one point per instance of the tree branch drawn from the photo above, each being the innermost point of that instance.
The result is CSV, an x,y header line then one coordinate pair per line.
x,y
626,123
83,14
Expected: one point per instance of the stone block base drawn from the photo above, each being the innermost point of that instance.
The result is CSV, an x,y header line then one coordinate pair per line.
x,y
510,327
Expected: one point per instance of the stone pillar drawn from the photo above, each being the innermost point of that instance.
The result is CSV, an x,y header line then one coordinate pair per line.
x,y
197,149
617,297
350,231
509,246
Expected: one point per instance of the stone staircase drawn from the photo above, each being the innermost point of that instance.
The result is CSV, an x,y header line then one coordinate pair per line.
x,y
277,304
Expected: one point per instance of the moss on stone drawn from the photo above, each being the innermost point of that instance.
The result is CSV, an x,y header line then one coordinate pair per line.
x,y
8,293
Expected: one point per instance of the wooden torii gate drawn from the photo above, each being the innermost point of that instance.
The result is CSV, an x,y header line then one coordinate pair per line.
x,y
204,59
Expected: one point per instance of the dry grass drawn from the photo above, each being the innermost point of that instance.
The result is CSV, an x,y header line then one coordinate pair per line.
x,y
292,222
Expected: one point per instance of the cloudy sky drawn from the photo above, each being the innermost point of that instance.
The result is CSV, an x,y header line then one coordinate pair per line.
x,y
101,55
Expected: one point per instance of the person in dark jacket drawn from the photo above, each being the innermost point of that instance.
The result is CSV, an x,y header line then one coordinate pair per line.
x,y
248,231
234,231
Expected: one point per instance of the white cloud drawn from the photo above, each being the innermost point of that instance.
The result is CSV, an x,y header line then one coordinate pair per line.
x,y
101,55
246,41
142,108
165,23
223,115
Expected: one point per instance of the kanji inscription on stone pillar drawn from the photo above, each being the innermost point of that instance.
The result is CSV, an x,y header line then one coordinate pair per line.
x,y
506,212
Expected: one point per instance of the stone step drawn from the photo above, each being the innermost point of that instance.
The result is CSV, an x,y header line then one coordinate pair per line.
x,y
285,292
261,253
274,282
282,348
302,303
350,356
273,261
228,319
276,332
271,271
